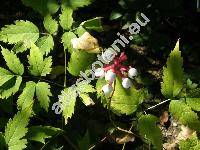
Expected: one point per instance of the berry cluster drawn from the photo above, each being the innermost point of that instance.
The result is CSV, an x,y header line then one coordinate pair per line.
x,y
111,71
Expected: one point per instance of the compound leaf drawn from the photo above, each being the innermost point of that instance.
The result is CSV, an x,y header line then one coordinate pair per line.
x,y
22,31
40,133
43,92
16,130
50,24
66,19
181,111
45,44
173,74
149,130
67,100
44,7
26,98
12,61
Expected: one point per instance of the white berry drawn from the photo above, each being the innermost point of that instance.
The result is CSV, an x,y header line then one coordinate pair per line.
x,y
132,72
126,83
110,76
107,89
99,72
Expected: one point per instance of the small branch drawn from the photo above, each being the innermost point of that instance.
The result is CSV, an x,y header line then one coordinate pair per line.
x,y
65,76
93,146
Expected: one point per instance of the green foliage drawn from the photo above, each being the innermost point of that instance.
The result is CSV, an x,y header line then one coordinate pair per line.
x,y
43,92
181,111
149,130
84,142
191,85
45,44
22,31
44,7
38,65
173,74
79,61
66,40
7,92
192,143
5,76
28,84
68,99
26,98
93,24
12,61
194,103
83,88
124,101
41,133
66,19
16,129
50,24
74,4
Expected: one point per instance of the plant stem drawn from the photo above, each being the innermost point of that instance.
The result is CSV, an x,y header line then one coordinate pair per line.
x,y
65,76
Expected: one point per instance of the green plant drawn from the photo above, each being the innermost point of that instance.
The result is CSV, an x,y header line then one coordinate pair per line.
x,y
40,75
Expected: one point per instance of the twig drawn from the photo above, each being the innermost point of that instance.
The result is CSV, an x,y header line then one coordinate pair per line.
x,y
93,146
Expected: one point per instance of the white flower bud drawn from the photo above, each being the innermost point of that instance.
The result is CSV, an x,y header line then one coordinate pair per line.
x,y
126,83
132,72
110,76
107,89
99,73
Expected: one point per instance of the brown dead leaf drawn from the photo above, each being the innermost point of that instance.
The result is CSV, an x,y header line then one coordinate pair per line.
x,y
164,117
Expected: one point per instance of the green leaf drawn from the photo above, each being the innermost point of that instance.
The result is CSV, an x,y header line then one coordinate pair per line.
x,y
38,66
12,61
124,101
66,40
173,74
45,44
79,61
74,4
93,24
67,100
11,91
194,103
84,87
86,99
44,7
43,92
46,67
50,24
181,111
26,98
191,85
149,130
16,130
66,19
21,31
40,133
80,31
115,15
192,143
19,48
84,143
5,76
